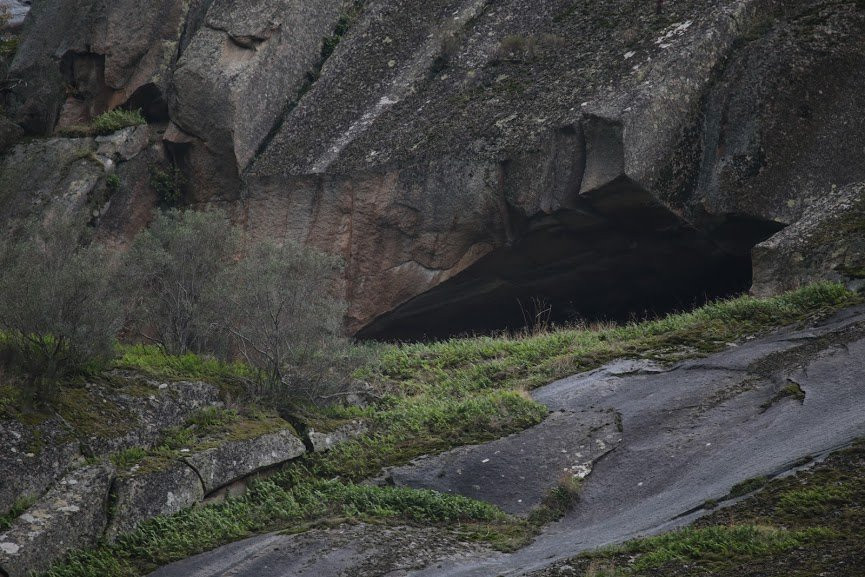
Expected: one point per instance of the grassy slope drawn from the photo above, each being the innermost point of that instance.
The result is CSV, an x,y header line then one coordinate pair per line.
x,y
804,525
433,397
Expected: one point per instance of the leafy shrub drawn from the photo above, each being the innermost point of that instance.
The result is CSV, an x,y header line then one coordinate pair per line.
x,y
168,184
281,317
58,313
171,271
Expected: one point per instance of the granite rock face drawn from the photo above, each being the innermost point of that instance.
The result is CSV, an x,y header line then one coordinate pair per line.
x,y
237,75
33,458
466,157
827,243
141,496
72,515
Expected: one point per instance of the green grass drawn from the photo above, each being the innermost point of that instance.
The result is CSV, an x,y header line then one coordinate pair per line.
x,y
270,506
748,486
720,543
107,123
463,366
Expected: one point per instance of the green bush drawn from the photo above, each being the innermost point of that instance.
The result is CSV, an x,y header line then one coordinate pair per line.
x,y
171,272
58,312
282,319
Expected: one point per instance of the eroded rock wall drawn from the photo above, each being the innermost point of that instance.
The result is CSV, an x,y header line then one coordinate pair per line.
x,y
460,153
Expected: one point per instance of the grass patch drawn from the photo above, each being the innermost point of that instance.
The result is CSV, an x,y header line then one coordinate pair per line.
x,y
106,123
720,543
463,366
557,502
268,506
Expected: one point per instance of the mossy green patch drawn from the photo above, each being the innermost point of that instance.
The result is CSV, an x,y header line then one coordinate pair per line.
x,y
91,415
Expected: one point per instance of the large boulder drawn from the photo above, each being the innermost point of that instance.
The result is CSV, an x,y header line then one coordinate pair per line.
x,y
233,460
158,488
71,516
827,243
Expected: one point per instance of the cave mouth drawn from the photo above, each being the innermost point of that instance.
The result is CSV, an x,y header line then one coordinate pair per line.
x,y
562,272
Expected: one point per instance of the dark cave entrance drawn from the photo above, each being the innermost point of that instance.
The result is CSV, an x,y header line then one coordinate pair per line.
x,y
576,266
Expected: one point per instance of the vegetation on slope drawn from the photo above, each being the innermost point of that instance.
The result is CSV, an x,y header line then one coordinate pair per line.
x,y
807,524
429,398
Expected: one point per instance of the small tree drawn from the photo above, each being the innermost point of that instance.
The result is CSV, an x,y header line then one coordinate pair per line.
x,y
171,270
58,312
283,319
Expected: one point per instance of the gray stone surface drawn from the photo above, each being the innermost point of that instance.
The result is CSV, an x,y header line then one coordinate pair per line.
x,y
516,472
325,441
139,496
347,551
71,515
236,76
232,460
33,458
827,243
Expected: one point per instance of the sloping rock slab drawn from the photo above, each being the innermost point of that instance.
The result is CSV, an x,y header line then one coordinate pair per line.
x,y
346,551
72,515
32,458
221,465
516,472
139,497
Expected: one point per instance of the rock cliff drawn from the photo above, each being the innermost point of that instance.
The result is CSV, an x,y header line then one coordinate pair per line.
x,y
467,156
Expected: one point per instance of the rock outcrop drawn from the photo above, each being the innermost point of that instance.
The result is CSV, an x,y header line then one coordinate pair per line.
x,y
828,242
466,157
72,515
234,460
141,495
130,429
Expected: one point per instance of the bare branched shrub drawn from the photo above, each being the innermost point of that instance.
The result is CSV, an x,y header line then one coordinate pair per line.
x,y
58,313
285,322
171,271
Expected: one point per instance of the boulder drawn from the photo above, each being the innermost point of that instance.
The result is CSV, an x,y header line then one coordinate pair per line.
x,y
143,494
138,416
827,243
72,515
70,178
233,460
33,458
125,144
325,441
